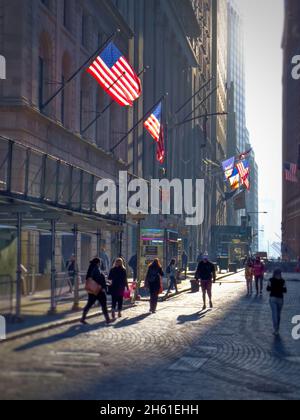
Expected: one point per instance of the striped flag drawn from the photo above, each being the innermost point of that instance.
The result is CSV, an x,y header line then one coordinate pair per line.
x,y
113,72
244,172
290,172
153,123
234,180
154,126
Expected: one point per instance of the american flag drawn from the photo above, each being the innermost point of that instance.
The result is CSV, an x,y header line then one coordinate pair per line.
x,y
153,123
113,72
156,129
290,171
244,172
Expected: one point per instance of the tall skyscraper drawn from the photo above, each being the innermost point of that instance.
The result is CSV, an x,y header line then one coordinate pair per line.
x,y
252,203
236,70
238,136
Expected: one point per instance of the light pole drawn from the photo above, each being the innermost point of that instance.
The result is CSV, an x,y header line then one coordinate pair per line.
x,y
138,219
249,213
257,212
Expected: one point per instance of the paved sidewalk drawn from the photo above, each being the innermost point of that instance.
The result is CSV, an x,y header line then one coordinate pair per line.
x,y
35,317
178,354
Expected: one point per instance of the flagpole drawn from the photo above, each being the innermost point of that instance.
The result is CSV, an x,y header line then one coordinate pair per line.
x,y
202,102
111,102
202,116
109,39
192,97
137,124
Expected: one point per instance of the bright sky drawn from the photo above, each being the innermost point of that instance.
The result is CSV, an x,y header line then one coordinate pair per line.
x,y
263,27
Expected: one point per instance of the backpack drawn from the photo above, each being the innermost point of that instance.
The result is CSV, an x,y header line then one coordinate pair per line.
x,y
153,276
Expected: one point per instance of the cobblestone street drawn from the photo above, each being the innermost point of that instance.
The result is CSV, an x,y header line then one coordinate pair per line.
x,y
177,354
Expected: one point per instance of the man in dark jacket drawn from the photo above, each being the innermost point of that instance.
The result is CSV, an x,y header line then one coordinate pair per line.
x,y
206,273
133,265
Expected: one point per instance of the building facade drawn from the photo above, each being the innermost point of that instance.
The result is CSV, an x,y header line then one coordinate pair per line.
x,y
239,138
50,163
291,129
173,38
219,105
252,202
236,70
51,154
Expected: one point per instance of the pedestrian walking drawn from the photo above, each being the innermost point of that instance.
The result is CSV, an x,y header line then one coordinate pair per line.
x,y
185,261
259,272
249,276
153,283
97,279
119,283
172,276
277,289
72,272
206,273
133,265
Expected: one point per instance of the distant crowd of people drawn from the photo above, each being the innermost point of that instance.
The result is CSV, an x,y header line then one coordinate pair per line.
x,y
117,285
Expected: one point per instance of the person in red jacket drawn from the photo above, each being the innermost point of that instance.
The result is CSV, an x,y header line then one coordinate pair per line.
x,y
259,272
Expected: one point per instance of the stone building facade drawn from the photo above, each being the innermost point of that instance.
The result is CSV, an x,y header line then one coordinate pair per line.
x,y
44,42
174,38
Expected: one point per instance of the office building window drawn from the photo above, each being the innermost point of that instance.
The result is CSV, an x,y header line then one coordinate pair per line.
x,y
84,30
41,79
67,14
66,97
44,71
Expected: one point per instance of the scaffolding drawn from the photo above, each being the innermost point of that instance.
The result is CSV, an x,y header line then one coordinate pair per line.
x,y
39,192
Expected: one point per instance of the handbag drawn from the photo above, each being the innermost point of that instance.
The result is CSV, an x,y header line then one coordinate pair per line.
x,y
92,287
127,294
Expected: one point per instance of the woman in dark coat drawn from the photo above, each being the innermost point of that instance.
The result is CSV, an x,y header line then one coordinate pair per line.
x,y
95,273
153,283
277,288
119,282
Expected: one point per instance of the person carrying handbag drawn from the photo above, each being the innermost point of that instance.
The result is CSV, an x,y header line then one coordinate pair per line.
x,y
96,288
119,282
